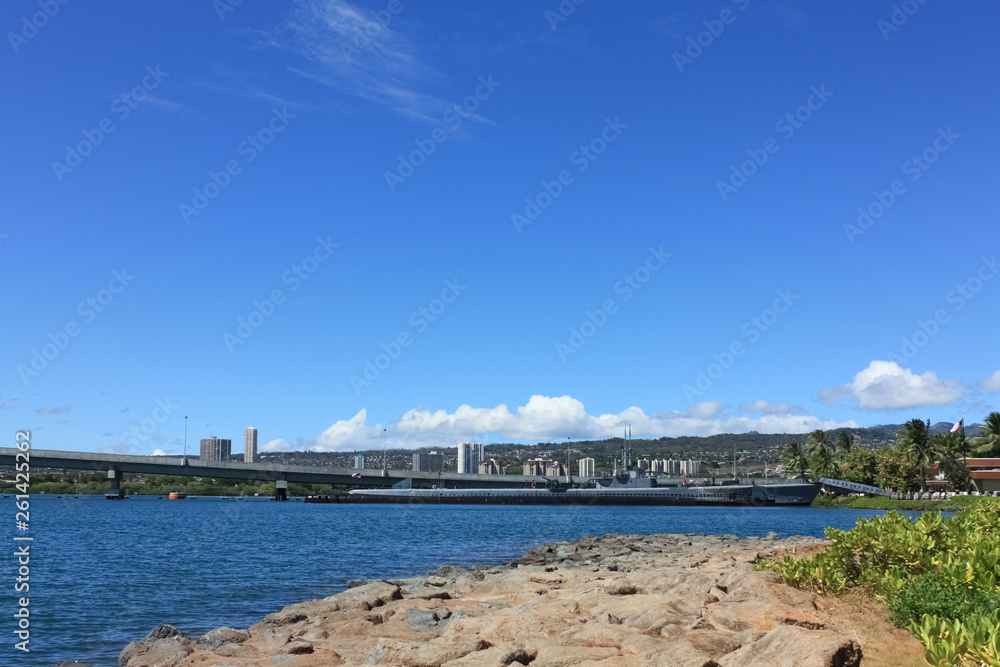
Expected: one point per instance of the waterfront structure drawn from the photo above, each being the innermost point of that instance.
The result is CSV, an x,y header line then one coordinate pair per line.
x,y
250,446
634,491
359,461
490,467
432,462
469,456
216,449
586,467
984,474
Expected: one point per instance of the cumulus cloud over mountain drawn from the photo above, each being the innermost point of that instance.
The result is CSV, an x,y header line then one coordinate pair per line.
x,y
553,418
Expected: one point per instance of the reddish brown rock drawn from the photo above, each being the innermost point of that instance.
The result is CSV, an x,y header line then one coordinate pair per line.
x,y
616,601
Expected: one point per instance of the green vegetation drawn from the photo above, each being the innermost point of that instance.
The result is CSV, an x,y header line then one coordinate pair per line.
x,y
793,458
914,438
160,485
68,483
885,503
988,443
902,466
939,576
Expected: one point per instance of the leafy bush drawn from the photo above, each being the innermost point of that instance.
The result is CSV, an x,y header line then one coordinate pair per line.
x,y
936,594
971,642
940,576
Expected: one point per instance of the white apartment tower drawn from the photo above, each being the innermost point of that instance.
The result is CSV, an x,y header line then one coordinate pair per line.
x,y
469,456
250,446
586,467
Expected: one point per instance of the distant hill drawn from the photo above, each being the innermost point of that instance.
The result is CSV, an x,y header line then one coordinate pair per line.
x,y
753,450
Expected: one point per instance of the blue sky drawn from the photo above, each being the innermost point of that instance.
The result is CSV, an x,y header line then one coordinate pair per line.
x,y
527,221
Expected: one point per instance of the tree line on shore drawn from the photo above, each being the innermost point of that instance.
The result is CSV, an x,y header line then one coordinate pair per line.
x,y
72,483
900,466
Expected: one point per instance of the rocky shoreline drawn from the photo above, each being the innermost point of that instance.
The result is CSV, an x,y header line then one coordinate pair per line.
x,y
613,600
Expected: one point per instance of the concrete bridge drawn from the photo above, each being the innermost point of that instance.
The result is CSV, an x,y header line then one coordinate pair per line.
x,y
118,464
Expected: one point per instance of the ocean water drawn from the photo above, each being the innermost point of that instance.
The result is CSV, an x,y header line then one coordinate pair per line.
x,y
104,573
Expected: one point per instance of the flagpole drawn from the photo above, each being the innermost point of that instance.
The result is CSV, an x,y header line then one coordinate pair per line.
x,y
965,460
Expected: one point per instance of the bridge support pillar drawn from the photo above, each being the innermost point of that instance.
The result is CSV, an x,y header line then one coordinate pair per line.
x,y
114,491
281,490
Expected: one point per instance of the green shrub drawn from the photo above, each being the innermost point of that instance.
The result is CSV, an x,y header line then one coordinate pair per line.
x,y
939,576
937,594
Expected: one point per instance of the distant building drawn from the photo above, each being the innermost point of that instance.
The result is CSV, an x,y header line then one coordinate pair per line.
x,y
985,474
586,467
490,467
432,462
250,446
690,467
643,464
359,461
545,468
537,466
469,456
216,449
672,467
658,465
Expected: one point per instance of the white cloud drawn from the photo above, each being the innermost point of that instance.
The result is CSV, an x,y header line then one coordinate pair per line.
x,y
885,385
550,418
991,383
159,452
8,404
768,408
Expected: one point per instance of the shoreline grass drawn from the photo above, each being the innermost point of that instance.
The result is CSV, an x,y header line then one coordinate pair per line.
x,y
883,503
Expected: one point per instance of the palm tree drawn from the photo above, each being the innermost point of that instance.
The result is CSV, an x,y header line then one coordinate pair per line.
x,y
819,447
914,439
794,459
844,444
989,442
947,447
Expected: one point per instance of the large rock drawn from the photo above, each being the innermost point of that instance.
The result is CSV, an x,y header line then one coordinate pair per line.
x,y
164,646
792,646
616,601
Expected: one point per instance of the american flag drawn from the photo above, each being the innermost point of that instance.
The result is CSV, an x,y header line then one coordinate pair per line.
x,y
959,426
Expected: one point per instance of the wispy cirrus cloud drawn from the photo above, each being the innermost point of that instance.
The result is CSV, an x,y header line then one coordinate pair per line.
x,y
361,56
249,84
53,409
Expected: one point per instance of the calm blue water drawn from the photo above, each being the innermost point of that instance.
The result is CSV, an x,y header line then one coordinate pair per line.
x,y
103,573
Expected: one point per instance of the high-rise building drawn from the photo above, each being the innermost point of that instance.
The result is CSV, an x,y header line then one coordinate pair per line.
x,y
250,446
359,461
216,449
432,462
469,456
586,467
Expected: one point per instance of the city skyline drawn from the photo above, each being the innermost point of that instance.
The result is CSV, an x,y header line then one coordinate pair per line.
x,y
496,224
